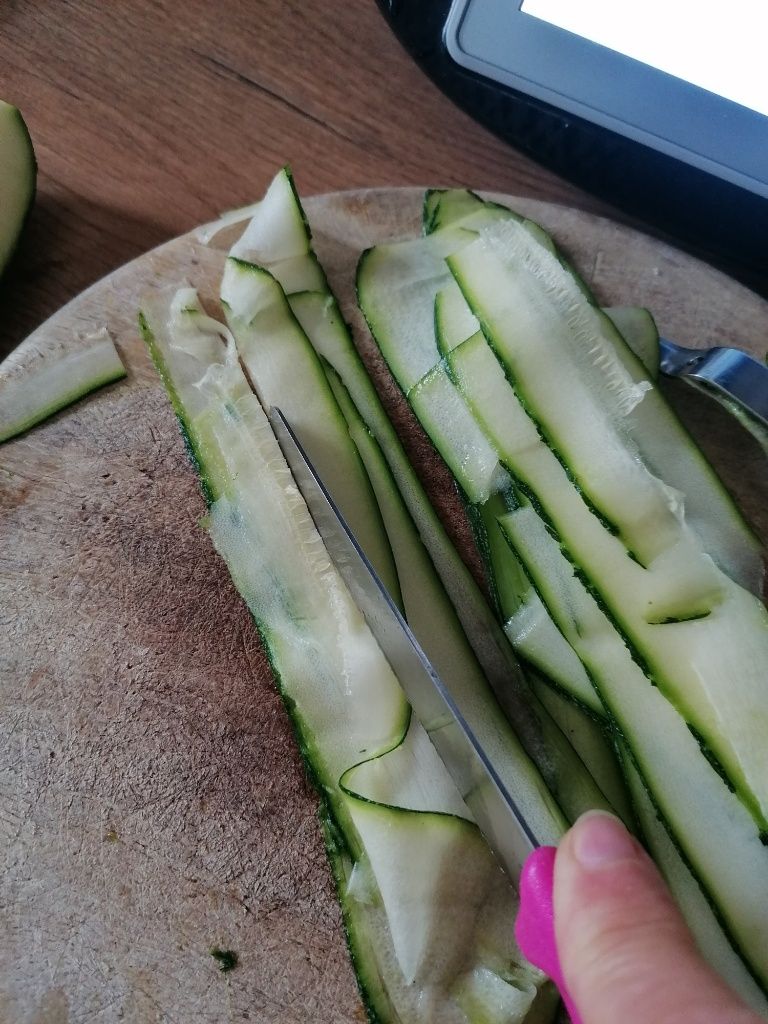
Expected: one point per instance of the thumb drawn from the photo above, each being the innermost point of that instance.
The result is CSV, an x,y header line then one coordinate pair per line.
x,y
625,951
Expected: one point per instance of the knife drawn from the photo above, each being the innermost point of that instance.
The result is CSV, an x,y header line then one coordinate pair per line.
x,y
459,745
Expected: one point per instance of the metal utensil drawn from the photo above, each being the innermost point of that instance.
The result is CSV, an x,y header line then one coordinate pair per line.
x,y
733,373
459,745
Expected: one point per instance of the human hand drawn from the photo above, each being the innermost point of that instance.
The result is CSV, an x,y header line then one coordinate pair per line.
x,y
625,951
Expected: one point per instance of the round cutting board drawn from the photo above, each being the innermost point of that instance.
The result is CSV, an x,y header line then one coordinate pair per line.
x,y
152,803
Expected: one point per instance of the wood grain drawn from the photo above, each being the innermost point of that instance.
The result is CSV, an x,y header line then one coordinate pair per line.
x,y
151,116
152,804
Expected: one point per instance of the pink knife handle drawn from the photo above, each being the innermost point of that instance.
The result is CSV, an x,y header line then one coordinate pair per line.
x,y
535,926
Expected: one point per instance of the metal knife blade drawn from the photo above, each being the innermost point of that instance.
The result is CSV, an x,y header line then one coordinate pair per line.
x,y
460,746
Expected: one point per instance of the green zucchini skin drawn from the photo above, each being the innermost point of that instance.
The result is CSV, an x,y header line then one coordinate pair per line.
x,y
320,317
30,395
709,824
675,585
700,916
18,175
397,806
711,867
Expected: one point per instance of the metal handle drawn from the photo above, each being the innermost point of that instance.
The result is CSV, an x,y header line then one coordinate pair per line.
x,y
730,371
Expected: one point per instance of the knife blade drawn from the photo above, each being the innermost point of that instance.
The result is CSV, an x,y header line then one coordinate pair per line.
x,y
460,746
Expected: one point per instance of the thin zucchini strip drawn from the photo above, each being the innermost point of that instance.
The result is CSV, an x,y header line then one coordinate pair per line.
x,y
284,371
435,622
279,359
324,326
698,913
701,637
459,437
638,329
709,823
691,749
627,341
555,345
347,705
593,741
416,312
673,588
460,434
31,394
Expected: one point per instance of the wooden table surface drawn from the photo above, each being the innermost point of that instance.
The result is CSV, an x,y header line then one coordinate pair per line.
x,y
150,116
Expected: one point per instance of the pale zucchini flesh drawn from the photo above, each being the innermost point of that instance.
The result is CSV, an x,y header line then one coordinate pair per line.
x,y
697,911
435,622
701,637
563,771
412,320
279,360
31,394
286,372
349,703
709,823
685,591
396,899
424,316
638,329
522,450
631,337
548,336
595,743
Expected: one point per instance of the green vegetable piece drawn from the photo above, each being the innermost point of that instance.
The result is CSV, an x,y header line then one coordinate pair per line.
x,y
18,174
227,959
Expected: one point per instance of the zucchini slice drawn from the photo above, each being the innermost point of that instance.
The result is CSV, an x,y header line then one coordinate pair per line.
x,y
709,823
18,175
638,329
324,327
284,370
30,394
700,636
595,743
629,343
398,835
385,292
415,318
680,588
459,440
698,913
591,398
680,584
435,622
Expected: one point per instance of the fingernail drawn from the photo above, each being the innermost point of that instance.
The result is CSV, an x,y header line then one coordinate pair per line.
x,y
601,840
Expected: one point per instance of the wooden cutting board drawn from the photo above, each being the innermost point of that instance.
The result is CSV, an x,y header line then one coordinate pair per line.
x,y
152,803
